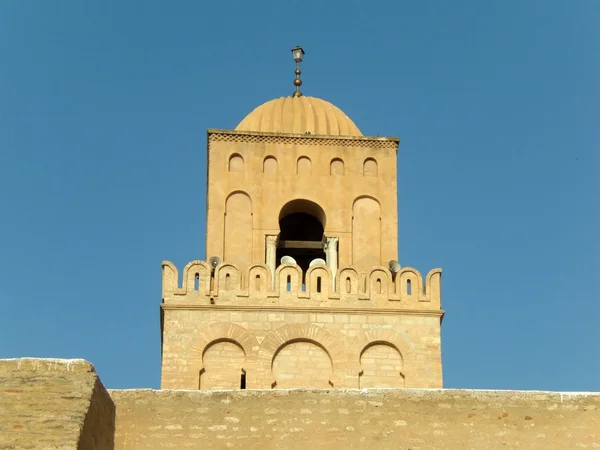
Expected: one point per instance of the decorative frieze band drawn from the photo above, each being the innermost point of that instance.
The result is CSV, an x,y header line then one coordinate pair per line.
x,y
286,139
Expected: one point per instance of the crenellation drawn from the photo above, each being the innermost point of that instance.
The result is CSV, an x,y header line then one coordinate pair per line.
x,y
227,285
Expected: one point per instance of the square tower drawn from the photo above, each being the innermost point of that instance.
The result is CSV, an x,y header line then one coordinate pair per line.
x,y
300,287
326,192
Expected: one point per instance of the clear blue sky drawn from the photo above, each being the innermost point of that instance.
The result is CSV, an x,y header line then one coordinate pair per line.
x,y
104,108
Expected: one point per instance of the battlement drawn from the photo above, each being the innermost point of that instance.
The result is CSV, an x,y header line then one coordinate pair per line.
x,y
256,286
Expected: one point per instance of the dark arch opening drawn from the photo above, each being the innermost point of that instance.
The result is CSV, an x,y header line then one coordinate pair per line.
x,y
303,206
301,225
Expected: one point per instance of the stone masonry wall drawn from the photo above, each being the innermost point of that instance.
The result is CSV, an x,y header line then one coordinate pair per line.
x,y
220,348
221,332
404,419
54,403
244,201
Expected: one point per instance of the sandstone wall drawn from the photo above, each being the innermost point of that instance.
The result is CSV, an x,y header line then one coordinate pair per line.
x,y
253,175
413,419
221,349
54,403
219,332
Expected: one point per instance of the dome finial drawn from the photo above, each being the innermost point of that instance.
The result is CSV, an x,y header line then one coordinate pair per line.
x,y
297,52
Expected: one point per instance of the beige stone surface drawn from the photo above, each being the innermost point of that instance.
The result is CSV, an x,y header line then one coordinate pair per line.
x,y
405,419
54,403
299,115
372,335
297,179
253,176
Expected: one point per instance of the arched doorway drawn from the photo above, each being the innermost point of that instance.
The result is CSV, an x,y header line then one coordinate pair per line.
x,y
301,225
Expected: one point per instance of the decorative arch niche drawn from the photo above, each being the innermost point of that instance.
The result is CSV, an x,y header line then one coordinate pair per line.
x,y
236,163
381,366
366,233
336,167
370,167
302,363
238,229
304,166
223,366
270,165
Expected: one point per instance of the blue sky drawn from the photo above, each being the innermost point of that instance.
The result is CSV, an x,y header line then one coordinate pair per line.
x,y
104,108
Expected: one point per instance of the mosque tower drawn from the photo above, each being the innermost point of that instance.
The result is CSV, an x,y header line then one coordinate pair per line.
x,y
300,287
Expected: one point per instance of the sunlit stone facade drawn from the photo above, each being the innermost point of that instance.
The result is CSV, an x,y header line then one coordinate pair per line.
x,y
297,180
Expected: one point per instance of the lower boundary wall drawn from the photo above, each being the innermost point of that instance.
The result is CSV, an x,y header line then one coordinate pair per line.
x,y
61,404
54,404
415,419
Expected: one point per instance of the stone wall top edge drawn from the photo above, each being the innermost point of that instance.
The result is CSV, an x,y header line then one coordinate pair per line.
x,y
318,309
210,131
47,364
404,392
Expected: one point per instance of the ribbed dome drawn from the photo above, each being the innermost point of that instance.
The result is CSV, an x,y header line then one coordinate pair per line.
x,y
299,115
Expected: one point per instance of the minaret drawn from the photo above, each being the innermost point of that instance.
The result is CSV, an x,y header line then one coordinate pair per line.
x,y
306,290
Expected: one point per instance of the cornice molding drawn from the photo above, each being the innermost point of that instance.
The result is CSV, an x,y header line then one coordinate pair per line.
x,y
215,135
304,309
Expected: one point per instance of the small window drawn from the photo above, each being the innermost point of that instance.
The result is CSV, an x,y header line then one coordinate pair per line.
x,y
197,282
408,288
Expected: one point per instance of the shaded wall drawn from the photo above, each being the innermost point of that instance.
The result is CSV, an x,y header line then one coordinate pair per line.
x,y
54,403
340,419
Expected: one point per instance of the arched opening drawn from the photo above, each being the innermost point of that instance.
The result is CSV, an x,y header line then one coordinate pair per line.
x,y
223,366
302,363
381,366
301,225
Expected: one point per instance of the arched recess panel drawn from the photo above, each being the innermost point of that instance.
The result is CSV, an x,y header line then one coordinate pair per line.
x,y
290,280
348,282
270,165
236,163
381,367
302,364
238,229
370,167
304,166
337,167
223,366
378,284
228,278
366,233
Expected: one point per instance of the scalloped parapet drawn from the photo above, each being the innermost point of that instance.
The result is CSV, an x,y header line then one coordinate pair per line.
x,y
255,286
